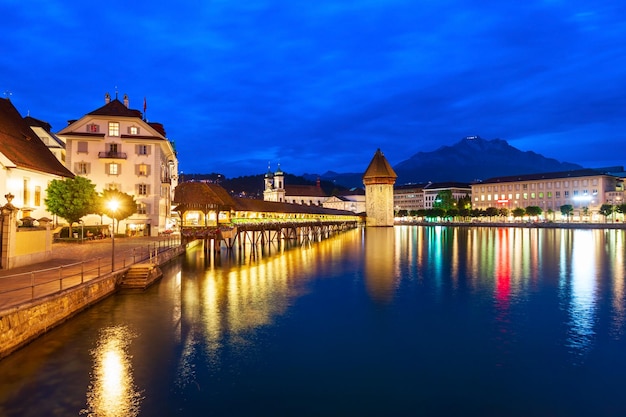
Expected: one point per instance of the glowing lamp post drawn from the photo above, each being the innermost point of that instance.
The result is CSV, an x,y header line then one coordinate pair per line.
x,y
113,205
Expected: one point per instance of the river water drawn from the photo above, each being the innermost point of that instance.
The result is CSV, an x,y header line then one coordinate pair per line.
x,y
411,320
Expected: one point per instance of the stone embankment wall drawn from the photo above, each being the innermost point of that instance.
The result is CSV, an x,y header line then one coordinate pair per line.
x,y
20,325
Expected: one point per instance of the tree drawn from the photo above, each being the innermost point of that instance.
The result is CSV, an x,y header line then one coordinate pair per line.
x,y
550,213
464,203
126,205
444,200
586,213
519,212
402,213
534,211
621,208
492,212
606,210
71,198
567,210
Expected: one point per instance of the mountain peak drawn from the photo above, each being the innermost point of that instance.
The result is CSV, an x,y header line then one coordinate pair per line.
x,y
474,158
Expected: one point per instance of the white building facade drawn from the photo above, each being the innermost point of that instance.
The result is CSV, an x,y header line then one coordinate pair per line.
x,y
117,150
584,189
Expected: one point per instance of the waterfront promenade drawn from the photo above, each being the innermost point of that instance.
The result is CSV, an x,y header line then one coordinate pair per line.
x,y
64,253
73,263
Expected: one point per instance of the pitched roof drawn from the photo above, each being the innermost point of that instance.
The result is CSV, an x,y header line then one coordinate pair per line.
x,y
452,184
21,145
379,168
199,195
304,191
116,108
36,123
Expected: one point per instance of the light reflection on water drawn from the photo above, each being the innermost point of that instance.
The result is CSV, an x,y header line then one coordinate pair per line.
x,y
376,321
112,392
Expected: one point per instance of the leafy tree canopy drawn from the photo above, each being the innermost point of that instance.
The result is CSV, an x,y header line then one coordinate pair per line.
x,y
518,212
71,198
534,210
444,200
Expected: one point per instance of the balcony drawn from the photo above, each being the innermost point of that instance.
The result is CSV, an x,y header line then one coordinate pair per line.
x,y
112,155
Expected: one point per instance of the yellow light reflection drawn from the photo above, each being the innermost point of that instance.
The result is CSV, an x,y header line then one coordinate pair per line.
x,y
112,392
380,275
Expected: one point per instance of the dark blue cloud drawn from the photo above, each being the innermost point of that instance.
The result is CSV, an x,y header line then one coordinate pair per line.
x,y
321,85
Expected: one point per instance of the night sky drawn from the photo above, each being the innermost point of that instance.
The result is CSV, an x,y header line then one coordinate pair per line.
x,y
320,85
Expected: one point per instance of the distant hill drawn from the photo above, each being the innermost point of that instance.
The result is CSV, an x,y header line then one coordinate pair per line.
x,y
470,159
474,158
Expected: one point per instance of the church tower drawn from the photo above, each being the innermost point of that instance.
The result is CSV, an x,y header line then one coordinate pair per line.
x,y
274,185
379,179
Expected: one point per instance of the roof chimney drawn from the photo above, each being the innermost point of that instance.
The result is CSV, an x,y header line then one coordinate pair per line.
x,y
126,100
107,98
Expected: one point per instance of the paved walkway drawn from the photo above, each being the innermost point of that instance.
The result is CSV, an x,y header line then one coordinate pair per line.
x,y
71,253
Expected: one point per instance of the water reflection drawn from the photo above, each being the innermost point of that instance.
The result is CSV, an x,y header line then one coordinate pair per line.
x,y
583,295
380,273
112,392
228,298
615,248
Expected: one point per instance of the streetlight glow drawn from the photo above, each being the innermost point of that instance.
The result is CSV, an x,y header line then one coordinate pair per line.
x,y
113,205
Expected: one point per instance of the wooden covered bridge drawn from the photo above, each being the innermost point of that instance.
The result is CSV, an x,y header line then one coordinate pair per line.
x,y
207,211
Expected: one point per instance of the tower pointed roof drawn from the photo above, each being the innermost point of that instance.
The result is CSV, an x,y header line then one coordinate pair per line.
x,y
379,169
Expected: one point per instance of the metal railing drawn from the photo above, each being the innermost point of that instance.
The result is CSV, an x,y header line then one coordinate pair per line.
x,y
25,287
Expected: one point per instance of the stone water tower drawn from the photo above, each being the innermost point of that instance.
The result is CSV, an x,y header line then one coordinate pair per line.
x,y
379,179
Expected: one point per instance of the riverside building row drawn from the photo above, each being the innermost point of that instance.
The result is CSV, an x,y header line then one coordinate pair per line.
x,y
585,190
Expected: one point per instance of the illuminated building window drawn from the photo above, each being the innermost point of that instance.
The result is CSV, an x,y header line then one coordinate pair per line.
x,y
114,129
143,170
142,208
37,196
113,169
525,196
133,130
26,194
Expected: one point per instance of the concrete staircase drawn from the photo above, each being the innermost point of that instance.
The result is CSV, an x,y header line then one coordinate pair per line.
x,y
141,276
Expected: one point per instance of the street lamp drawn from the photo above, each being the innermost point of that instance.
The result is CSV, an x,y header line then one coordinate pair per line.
x,y
113,205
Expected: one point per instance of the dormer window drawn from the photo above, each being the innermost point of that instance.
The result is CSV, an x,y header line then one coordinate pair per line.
x,y
114,129
133,130
93,128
